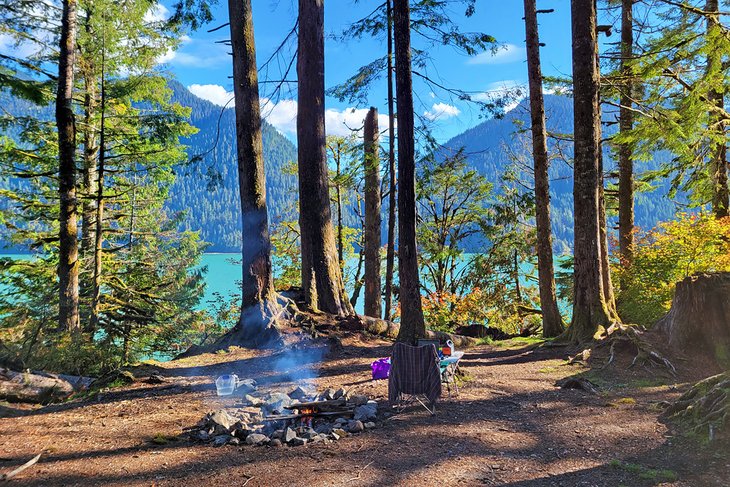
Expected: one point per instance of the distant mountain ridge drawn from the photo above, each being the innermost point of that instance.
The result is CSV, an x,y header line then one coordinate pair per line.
x,y
207,190
488,146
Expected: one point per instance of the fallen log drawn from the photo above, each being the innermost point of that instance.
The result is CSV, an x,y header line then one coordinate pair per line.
x,y
38,387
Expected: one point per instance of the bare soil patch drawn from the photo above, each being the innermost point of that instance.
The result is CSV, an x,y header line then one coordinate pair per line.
x,y
510,425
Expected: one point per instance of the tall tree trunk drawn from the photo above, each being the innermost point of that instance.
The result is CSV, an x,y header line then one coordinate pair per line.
x,y
390,249
718,153
372,216
412,323
68,253
258,298
589,306
321,275
99,209
626,123
338,196
91,148
552,323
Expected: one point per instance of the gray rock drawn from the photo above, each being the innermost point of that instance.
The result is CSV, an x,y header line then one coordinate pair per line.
x,y
358,399
301,394
289,435
355,427
221,440
335,436
366,412
341,421
369,425
298,442
276,403
234,441
245,386
328,394
275,442
221,422
341,392
324,428
276,435
257,439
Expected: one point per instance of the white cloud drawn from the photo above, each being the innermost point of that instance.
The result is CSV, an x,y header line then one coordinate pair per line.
x,y
506,54
343,122
282,115
213,93
441,111
156,13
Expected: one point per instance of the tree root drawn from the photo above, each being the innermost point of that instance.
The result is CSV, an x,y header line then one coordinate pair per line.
x,y
705,407
630,336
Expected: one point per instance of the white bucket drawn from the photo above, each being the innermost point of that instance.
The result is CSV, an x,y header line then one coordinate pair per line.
x,y
226,384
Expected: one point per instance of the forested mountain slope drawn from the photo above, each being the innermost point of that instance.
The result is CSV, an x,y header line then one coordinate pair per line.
x,y
491,148
208,189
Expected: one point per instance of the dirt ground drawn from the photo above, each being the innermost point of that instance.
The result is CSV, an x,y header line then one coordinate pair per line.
x,y
510,425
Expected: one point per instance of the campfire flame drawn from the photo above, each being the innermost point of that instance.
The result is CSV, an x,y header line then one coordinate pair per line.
x,y
307,415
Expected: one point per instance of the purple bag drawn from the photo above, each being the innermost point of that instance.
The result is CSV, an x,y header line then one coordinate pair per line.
x,y
381,368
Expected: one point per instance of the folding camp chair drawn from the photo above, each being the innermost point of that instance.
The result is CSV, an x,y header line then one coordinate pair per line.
x,y
414,376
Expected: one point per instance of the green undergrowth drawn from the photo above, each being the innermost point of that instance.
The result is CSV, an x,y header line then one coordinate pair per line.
x,y
645,473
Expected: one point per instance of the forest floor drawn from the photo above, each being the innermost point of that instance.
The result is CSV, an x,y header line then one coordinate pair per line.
x,y
510,425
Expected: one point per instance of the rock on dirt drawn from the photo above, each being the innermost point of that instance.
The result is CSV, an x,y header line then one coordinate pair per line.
x,y
257,439
366,412
221,422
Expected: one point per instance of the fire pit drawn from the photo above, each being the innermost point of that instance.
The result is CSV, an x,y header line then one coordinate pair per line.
x,y
297,418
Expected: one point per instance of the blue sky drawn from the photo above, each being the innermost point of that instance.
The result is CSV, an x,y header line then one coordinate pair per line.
x,y
204,66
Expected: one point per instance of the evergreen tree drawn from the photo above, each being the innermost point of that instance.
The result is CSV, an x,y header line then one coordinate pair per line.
x,y
552,323
412,324
321,274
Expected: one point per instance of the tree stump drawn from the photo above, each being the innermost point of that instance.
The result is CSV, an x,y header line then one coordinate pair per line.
x,y
699,319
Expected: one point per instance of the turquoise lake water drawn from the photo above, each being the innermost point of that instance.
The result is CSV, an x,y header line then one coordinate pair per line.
x,y
224,276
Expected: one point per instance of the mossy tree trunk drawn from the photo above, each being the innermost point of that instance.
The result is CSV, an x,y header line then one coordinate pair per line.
x,y
68,258
626,122
552,322
412,322
321,275
590,309
258,300
372,215
392,189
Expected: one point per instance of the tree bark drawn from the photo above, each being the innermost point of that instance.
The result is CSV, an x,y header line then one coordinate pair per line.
x,y
718,151
412,322
321,275
99,209
91,148
68,252
699,319
552,322
258,298
625,152
390,249
372,215
589,306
